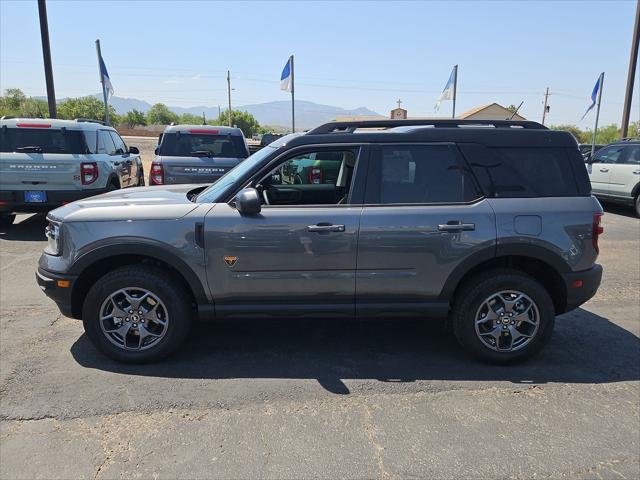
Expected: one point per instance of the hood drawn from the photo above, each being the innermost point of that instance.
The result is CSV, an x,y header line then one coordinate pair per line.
x,y
142,203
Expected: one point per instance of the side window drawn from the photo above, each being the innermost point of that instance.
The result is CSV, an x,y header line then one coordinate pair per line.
x,y
313,178
105,143
419,174
609,154
121,148
633,155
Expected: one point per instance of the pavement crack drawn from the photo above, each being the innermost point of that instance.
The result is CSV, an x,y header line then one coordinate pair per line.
x,y
377,448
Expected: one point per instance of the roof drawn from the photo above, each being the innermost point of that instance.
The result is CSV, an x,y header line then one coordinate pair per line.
x,y
203,128
77,124
479,109
502,133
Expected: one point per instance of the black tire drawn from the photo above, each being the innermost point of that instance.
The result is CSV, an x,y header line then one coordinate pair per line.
x,y
141,177
638,205
6,219
168,290
114,184
470,299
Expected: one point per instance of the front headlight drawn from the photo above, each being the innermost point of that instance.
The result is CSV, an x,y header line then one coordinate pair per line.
x,y
53,233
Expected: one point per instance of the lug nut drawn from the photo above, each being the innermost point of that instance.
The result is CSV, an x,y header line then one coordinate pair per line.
x,y
127,319
142,321
139,312
135,324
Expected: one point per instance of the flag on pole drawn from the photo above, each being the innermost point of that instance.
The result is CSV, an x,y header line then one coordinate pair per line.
x,y
449,90
594,96
104,75
286,79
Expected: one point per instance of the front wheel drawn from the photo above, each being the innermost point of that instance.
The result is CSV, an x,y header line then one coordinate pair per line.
x,y
638,205
503,316
6,219
137,314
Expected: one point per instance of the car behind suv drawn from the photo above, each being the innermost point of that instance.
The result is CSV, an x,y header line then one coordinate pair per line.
x,y
46,163
614,172
489,224
196,154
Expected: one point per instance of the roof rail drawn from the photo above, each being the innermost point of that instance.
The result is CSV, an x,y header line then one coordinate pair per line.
x,y
7,117
629,139
89,120
351,126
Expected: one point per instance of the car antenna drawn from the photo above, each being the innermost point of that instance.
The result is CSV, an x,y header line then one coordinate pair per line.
x,y
516,110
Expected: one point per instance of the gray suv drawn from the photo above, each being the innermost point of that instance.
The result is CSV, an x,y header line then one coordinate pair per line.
x,y
196,154
489,224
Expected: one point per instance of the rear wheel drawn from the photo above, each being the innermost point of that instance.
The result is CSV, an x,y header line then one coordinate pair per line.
x,y
137,314
638,205
140,177
6,219
503,316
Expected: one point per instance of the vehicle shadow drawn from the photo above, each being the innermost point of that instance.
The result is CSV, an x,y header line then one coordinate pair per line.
x,y
586,348
28,230
625,211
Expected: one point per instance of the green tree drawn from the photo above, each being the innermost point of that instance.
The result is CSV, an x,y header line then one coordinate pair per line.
x,y
159,114
605,134
191,119
14,103
86,107
243,120
581,136
134,117
512,108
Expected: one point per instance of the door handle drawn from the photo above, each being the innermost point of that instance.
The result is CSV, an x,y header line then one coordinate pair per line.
x,y
604,170
325,227
636,172
456,227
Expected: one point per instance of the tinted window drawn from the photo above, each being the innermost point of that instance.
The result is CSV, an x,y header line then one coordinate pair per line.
x,y
633,155
609,154
121,148
43,140
419,174
317,168
105,143
191,144
523,172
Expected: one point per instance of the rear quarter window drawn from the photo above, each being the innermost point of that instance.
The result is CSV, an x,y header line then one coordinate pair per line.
x,y
524,172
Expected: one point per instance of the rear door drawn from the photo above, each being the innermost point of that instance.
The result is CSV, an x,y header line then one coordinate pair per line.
x,y
107,153
601,168
625,174
423,216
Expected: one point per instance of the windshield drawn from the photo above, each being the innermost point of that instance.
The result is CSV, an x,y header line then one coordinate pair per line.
x,y
40,140
217,189
203,145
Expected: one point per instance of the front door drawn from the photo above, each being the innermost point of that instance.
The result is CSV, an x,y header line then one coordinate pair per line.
x,y
423,216
298,255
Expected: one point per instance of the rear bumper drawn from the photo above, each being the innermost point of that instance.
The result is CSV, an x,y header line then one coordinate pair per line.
x,y
50,284
12,201
581,286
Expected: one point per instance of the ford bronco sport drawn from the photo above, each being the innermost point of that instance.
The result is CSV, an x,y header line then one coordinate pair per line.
x,y
46,163
488,223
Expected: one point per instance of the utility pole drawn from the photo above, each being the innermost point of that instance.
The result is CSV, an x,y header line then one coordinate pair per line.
x,y
219,112
544,111
633,61
229,94
46,55
455,91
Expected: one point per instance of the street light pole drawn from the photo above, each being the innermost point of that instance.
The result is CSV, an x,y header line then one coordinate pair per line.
x,y
46,56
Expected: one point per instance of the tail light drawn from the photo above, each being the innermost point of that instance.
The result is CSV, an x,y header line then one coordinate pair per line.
x,y
88,172
156,176
598,230
315,175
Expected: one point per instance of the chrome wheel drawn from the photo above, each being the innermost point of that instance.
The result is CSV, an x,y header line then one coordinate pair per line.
x,y
133,318
507,321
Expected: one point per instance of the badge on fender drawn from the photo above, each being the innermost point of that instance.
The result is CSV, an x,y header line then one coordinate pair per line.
x,y
230,260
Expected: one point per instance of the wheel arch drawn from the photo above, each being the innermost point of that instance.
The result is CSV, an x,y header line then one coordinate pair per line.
x,y
90,267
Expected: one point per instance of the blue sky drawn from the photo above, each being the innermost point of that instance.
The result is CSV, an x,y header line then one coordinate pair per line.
x,y
348,54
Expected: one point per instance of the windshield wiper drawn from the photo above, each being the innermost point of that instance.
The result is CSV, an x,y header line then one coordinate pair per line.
x,y
31,148
202,153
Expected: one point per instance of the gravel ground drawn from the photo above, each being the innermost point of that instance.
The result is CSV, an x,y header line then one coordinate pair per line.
x,y
386,399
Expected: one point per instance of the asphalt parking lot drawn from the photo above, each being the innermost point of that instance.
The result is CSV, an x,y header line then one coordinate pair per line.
x,y
387,399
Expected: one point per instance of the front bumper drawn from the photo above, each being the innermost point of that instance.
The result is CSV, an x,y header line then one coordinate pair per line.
x,y
581,286
53,285
12,201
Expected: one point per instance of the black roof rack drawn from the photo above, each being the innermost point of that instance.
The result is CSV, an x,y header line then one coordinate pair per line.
x,y
89,120
351,126
7,117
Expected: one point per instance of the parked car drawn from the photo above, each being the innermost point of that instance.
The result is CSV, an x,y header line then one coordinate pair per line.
x,y
458,222
585,149
269,138
46,163
614,172
196,154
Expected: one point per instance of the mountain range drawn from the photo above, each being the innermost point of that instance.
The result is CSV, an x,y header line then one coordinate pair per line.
x,y
278,113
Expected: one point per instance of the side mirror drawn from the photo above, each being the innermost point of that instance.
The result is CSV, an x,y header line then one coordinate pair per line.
x,y
134,150
248,202
156,150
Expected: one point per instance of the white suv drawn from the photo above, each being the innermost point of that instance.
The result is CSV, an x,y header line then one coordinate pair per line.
x,y
614,172
46,163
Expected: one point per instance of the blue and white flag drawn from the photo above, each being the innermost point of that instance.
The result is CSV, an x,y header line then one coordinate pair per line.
x,y
286,79
594,96
104,76
449,89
